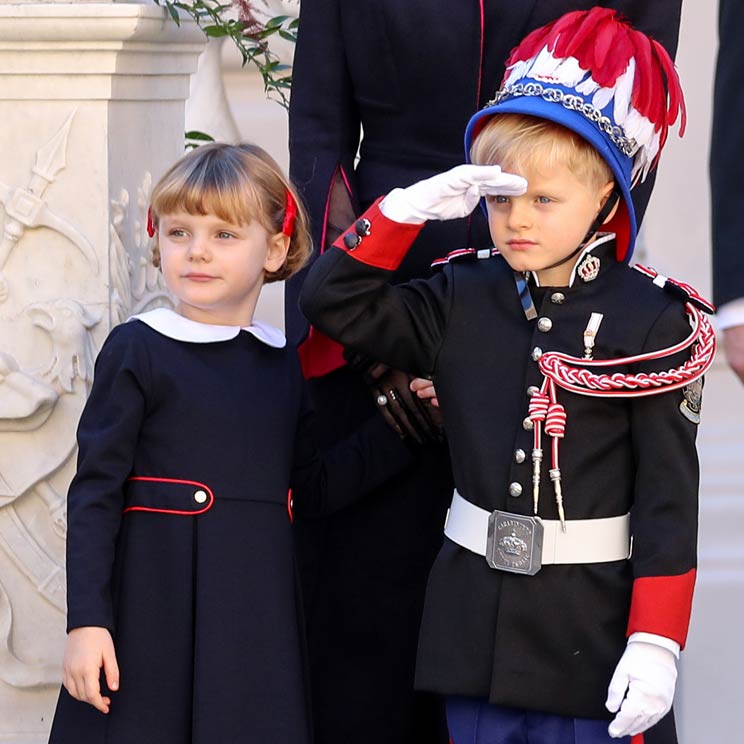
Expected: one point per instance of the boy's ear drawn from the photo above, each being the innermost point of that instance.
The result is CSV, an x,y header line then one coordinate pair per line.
x,y
277,253
607,189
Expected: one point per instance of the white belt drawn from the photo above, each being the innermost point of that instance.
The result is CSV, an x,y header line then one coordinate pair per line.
x,y
584,541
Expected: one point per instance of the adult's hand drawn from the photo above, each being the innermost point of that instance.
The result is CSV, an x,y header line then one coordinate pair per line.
x,y
450,195
403,410
733,344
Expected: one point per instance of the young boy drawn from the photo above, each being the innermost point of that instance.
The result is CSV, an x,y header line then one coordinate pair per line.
x,y
570,387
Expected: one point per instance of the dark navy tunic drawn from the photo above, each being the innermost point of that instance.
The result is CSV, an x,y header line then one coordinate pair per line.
x,y
180,540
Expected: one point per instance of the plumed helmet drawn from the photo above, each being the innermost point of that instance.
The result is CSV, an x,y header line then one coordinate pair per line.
x,y
593,73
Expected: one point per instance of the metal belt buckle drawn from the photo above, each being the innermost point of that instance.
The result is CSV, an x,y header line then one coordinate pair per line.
x,y
514,543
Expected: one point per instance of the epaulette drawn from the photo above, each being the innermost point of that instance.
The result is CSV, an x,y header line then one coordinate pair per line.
x,y
680,290
464,254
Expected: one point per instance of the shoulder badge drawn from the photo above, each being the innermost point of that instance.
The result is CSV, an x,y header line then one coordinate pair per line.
x,y
692,402
464,254
684,292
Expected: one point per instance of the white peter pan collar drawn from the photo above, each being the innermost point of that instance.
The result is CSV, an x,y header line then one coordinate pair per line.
x,y
175,326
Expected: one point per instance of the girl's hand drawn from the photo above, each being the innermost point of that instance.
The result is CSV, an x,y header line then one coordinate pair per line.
x,y
425,390
87,650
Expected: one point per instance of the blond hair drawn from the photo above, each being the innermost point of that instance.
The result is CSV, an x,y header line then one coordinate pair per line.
x,y
237,183
520,141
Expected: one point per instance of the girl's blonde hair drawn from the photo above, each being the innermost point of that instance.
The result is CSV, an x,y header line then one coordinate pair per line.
x,y
519,141
238,183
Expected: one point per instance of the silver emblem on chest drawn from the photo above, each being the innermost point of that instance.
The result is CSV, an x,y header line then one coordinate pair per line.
x,y
514,543
692,404
588,269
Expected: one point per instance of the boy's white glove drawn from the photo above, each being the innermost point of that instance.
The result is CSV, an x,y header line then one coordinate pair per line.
x,y
449,195
648,673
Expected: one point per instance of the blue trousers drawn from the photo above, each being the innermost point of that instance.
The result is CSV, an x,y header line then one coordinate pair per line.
x,y
476,721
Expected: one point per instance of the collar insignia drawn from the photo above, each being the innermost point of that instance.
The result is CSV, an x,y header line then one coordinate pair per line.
x,y
588,269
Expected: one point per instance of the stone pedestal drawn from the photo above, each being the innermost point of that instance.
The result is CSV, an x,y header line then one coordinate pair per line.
x,y
92,111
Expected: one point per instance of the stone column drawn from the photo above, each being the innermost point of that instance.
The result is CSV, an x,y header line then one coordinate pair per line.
x,y
91,111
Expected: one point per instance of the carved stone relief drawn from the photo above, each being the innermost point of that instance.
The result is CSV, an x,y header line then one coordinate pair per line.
x,y
136,285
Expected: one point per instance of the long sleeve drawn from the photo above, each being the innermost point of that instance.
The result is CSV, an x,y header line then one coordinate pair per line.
x,y
324,133
107,437
664,514
325,481
348,297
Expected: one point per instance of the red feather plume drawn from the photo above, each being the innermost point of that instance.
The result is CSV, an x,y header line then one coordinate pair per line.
x,y
603,43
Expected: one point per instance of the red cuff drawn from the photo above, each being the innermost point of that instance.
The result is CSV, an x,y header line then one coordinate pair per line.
x,y
662,605
319,355
381,243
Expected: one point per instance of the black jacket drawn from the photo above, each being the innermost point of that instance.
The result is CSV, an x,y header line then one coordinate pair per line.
x,y
548,642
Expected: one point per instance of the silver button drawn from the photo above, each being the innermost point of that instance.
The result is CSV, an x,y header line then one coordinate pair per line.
x,y
544,325
557,298
528,424
515,489
533,390
200,496
520,455
536,353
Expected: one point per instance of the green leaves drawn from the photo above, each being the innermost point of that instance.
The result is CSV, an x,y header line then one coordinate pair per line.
x,y
194,138
251,41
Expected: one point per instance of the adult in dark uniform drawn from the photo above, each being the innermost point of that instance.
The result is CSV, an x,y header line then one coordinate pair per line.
x,y
409,74
727,188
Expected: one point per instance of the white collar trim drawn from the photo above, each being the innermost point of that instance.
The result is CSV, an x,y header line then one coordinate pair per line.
x,y
601,240
175,326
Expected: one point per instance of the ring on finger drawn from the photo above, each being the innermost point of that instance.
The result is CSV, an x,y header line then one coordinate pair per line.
x,y
382,400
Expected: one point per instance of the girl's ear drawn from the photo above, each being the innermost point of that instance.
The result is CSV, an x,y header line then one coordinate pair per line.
x,y
277,253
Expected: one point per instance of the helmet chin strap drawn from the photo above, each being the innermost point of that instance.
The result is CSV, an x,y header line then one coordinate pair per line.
x,y
599,220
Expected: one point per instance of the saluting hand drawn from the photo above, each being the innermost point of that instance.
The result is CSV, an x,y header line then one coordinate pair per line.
x,y
450,195
87,650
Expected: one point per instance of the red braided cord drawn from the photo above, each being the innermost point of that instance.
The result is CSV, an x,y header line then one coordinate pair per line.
x,y
555,424
570,372
538,409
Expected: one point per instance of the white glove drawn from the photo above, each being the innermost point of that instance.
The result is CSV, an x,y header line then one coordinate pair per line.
x,y
449,195
648,672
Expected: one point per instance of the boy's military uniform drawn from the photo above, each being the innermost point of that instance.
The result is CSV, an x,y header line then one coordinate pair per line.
x,y
570,411
550,641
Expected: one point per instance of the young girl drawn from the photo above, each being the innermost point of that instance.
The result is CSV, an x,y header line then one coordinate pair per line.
x,y
183,618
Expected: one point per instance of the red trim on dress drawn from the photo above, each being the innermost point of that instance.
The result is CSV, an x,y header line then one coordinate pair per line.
x,y
203,486
662,605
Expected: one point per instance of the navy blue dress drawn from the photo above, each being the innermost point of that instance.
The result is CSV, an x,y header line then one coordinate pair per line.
x,y
180,540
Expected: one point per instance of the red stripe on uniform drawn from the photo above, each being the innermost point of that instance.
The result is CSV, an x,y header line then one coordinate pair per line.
x,y
387,242
638,739
662,605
